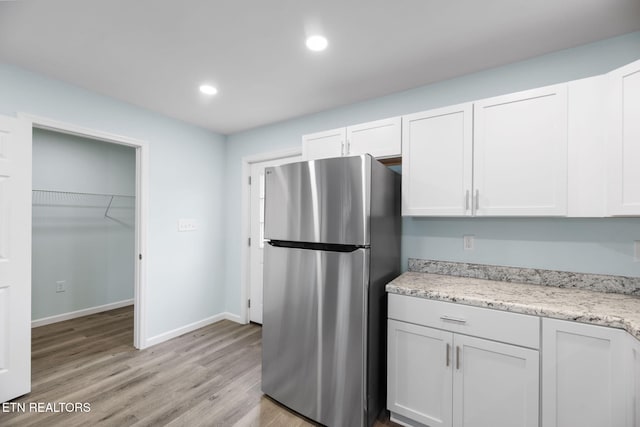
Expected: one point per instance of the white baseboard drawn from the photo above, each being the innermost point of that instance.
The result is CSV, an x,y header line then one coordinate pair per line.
x,y
80,313
191,327
184,329
233,318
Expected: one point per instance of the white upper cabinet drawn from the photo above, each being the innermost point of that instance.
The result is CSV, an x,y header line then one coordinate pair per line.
x,y
321,145
586,153
380,138
623,141
520,153
503,156
436,162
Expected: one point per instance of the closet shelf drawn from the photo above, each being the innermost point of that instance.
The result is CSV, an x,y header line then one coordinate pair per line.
x,y
51,198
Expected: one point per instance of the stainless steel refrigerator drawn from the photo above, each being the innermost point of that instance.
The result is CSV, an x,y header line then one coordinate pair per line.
x,y
333,231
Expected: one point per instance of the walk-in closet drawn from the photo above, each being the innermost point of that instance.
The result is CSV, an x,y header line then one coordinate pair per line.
x,y
83,236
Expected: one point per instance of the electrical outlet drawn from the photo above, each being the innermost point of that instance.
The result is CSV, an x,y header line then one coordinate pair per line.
x,y
187,224
468,242
636,250
61,285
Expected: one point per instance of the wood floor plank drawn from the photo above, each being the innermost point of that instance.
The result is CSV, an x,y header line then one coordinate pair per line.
x,y
208,377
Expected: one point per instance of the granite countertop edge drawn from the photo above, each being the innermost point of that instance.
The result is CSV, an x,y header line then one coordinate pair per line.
x,y
591,307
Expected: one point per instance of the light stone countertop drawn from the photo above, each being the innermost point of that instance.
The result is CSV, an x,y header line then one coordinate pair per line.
x,y
597,308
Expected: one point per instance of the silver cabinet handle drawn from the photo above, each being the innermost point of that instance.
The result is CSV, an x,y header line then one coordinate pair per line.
x,y
348,147
453,319
477,199
466,201
448,353
342,148
457,357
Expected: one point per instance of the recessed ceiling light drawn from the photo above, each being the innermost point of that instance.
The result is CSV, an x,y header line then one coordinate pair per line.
x,y
208,89
317,43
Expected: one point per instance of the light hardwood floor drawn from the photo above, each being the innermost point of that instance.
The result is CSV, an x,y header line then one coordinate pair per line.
x,y
209,377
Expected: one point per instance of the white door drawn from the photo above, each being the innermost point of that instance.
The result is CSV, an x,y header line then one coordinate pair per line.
x,y
325,144
436,160
494,384
15,258
520,153
257,234
419,373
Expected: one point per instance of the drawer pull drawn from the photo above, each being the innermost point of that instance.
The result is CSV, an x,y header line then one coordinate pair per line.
x,y
457,357
448,353
453,319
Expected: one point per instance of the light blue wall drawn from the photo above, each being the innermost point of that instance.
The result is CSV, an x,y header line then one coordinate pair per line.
x,y
603,246
195,173
186,177
598,245
72,239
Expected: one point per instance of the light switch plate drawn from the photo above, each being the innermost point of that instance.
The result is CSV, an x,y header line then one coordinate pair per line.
x,y
187,224
61,286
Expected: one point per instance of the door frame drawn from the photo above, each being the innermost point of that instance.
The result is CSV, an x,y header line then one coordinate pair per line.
x,y
142,207
245,259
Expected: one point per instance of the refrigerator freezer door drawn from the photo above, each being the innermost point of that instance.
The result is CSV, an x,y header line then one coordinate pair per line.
x,y
320,201
313,332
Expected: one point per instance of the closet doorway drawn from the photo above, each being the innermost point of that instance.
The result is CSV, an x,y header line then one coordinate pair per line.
x,y
89,215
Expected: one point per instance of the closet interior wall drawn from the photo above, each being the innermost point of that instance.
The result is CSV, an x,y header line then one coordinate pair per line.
x,y
83,224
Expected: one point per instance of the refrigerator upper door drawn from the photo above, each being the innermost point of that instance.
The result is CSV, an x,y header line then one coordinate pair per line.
x,y
319,201
313,336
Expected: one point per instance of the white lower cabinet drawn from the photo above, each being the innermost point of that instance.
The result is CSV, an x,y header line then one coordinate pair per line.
x,y
634,401
419,385
585,376
494,384
454,365
441,378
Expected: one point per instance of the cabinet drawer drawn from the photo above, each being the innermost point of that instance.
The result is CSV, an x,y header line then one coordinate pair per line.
x,y
512,328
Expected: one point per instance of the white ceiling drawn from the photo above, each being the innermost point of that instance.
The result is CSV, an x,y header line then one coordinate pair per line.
x,y
155,53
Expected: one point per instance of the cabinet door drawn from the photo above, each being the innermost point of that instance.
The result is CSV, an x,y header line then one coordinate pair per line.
x,y
520,153
436,162
583,375
381,139
322,145
419,373
494,384
633,400
586,147
623,141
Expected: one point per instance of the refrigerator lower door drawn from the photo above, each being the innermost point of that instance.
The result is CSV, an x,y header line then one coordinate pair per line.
x,y
313,334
